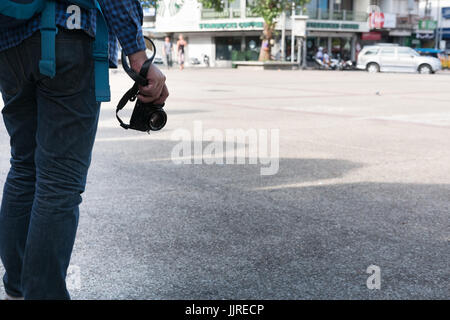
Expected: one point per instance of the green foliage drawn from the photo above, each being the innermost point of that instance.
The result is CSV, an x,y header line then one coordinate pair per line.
x,y
269,10
212,4
247,55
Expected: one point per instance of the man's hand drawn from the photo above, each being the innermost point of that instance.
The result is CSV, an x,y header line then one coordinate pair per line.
x,y
156,91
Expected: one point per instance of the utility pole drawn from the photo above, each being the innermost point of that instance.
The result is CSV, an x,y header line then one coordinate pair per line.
x,y
283,35
292,32
438,30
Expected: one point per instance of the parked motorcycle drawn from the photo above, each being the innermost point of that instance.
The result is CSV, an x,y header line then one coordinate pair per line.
x,y
194,61
319,64
345,65
335,64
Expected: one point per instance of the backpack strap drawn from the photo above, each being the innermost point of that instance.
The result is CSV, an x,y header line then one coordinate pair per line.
x,y
47,65
101,58
22,11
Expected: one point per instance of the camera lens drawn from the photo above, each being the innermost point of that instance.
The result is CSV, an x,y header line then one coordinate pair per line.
x,y
158,120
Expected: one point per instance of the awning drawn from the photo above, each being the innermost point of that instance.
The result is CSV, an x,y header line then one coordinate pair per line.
x,y
400,33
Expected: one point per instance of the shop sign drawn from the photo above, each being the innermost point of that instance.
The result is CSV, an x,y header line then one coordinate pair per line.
x,y
231,25
332,25
425,36
446,13
371,36
390,20
380,20
427,24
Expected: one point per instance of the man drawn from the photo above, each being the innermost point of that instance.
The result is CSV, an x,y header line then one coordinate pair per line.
x,y
52,124
326,58
167,51
319,54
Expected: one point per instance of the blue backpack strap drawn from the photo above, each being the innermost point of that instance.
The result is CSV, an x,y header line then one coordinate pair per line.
x,y
101,58
22,11
47,65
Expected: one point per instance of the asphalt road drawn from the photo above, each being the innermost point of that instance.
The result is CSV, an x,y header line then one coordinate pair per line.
x,y
363,179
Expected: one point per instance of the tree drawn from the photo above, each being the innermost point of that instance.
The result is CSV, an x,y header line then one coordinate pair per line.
x,y
269,10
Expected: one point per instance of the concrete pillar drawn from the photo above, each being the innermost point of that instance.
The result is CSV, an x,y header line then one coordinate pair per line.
x,y
330,9
243,6
353,54
283,35
213,52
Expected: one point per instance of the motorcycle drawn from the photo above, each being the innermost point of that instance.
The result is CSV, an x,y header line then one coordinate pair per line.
x,y
335,64
345,65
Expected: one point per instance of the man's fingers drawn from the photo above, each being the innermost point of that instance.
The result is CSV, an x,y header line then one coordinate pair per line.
x,y
145,99
156,88
151,93
160,100
163,97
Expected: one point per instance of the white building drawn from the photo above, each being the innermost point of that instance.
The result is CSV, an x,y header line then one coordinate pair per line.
x,y
341,26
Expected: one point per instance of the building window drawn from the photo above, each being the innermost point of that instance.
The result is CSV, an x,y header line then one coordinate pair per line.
x,y
225,46
339,5
236,4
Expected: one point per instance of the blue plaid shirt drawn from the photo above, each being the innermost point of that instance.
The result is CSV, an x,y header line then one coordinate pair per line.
x,y
124,19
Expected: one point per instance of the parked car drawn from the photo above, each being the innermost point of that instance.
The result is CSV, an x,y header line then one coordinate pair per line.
x,y
440,54
392,58
158,59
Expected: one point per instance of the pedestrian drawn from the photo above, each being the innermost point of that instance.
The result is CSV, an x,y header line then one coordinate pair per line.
x,y
52,122
326,58
167,51
319,54
181,47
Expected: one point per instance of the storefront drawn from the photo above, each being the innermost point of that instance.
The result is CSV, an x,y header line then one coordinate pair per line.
x,y
339,38
223,36
235,33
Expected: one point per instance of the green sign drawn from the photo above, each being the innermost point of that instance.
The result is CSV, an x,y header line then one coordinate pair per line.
x,y
231,25
332,25
427,24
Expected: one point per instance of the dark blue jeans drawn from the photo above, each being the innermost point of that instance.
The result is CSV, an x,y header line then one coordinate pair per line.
x,y
52,125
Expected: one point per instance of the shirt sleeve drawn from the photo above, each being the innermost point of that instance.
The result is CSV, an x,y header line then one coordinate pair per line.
x,y
124,19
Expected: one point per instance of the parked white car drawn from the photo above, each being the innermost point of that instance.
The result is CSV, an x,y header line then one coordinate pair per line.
x,y
392,58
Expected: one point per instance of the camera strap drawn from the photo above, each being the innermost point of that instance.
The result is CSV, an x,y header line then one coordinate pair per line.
x,y
140,79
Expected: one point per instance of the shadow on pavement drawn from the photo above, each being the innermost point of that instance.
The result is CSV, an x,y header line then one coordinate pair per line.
x,y
160,231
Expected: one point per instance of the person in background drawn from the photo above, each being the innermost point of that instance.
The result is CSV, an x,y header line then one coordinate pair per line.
x,y
181,47
278,55
167,51
319,54
326,58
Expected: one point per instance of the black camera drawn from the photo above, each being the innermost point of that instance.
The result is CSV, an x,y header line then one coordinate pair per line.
x,y
146,116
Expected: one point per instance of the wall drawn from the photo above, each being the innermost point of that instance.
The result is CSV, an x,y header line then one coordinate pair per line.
x,y
198,45
361,5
